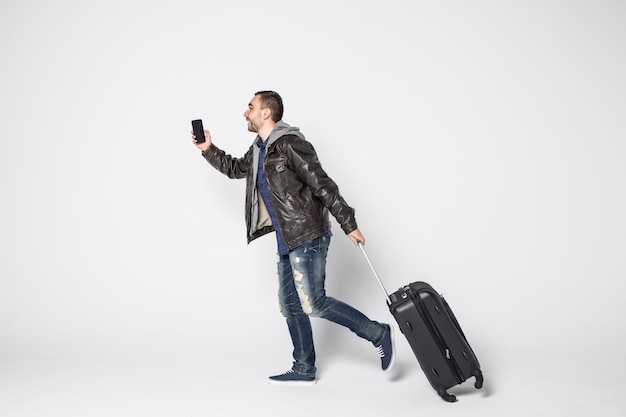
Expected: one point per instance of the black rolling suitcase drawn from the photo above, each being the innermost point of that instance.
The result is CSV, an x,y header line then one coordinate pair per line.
x,y
434,334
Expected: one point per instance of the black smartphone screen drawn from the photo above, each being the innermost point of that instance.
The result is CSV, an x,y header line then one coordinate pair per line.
x,y
198,130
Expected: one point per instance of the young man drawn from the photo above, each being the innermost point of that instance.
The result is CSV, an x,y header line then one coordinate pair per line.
x,y
288,192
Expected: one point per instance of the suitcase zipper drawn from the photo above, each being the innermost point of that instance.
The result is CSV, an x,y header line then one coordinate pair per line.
x,y
436,335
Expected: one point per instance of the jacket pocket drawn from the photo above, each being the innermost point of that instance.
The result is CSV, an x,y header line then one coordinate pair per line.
x,y
276,173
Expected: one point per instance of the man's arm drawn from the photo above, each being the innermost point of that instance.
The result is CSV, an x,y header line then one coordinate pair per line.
x,y
304,161
226,164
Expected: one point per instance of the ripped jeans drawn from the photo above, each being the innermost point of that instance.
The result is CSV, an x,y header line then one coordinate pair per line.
x,y
301,293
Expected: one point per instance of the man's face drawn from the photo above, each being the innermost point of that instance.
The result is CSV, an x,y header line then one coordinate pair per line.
x,y
254,114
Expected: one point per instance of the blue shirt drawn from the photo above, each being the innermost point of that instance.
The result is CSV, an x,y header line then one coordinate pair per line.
x,y
261,183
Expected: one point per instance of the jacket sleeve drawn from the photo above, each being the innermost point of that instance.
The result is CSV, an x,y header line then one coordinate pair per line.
x,y
302,159
226,164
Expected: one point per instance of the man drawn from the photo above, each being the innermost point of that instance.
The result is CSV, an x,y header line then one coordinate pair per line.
x,y
288,192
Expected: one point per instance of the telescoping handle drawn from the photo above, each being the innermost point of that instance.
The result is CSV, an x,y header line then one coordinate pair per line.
x,y
380,283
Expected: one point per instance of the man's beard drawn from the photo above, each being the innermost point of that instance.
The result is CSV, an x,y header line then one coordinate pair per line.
x,y
252,127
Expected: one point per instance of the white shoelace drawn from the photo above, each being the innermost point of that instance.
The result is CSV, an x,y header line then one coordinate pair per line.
x,y
380,351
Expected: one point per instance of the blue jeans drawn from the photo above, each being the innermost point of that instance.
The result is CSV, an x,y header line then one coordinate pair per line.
x,y
301,294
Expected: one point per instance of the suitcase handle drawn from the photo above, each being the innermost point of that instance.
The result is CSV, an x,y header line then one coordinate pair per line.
x,y
380,283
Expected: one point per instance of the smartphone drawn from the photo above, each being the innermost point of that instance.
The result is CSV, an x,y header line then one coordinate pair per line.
x,y
198,130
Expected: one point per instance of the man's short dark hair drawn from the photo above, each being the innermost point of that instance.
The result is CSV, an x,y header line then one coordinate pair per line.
x,y
271,100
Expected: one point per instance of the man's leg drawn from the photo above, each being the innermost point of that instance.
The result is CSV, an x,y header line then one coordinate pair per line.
x,y
299,324
309,272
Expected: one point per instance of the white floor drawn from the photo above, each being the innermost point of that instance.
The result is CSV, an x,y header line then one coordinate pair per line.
x,y
214,383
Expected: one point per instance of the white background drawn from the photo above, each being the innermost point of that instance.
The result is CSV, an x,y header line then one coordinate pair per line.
x,y
482,144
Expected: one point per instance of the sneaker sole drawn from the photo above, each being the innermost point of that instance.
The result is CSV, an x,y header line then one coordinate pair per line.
x,y
292,383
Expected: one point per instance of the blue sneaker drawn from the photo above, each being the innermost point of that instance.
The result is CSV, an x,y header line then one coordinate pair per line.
x,y
386,349
291,377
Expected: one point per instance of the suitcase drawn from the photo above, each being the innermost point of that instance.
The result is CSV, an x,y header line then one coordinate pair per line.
x,y
434,334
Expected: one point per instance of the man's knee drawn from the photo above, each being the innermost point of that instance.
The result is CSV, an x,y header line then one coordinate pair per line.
x,y
315,307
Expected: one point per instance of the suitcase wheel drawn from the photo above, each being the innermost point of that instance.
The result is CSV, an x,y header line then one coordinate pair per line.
x,y
479,376
446,397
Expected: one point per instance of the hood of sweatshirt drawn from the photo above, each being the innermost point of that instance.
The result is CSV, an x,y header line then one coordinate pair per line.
x,y
281,129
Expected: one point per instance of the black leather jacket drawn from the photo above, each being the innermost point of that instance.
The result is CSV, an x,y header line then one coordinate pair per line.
x,y
301,192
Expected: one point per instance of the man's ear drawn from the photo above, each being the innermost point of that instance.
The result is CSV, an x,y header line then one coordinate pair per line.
x,y
266,113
